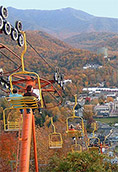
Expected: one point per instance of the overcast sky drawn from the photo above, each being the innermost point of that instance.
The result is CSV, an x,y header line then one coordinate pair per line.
x,y
102,8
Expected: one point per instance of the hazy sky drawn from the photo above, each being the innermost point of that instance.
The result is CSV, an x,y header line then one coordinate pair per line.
x,y
102,8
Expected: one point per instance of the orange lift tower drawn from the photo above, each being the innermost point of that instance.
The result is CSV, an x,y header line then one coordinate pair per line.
x,y
28,126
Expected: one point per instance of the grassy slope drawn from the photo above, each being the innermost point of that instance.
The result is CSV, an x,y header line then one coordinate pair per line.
x,y
110,121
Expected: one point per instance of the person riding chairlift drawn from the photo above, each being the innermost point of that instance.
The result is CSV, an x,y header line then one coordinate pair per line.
x,y
71,127
30,93
14,95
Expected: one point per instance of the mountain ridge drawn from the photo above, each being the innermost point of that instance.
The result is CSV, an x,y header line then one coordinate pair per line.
x,y
93,40
62,23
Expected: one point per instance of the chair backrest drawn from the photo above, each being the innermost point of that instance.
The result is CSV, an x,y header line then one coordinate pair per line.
x,y
55,140
23,102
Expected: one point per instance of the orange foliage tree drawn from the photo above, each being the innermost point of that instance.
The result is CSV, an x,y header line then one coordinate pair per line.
x,y
8,149
42,135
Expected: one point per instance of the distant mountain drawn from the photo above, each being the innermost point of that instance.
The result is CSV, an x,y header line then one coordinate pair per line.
x,y
62,23
93,40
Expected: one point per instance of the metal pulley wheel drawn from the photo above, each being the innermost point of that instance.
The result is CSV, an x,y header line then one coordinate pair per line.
x,y
18,26
3,12
14,34
7,28
20,40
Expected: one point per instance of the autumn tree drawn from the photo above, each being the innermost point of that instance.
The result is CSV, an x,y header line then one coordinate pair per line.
x,y
81,162
8,150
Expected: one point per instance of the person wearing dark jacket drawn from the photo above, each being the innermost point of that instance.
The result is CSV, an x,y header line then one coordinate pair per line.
x,y
30,93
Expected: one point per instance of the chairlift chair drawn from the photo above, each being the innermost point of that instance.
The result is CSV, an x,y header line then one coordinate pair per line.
x,y
75,124
55,139
76,147
92,145
12,123
24,78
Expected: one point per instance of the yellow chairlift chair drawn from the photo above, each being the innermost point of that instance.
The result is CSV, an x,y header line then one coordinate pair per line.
x,y
11,121
76,147
75,124
24,78
55,139
94,142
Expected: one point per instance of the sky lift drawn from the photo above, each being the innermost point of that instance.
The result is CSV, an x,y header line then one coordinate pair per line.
x,y
10,125
93,142
76,147
23,78
20,80
28,125
55,139
75,124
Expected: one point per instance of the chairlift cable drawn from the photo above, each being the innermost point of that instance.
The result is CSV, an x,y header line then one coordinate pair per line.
x,y
13,62
41,56
9,58
54,97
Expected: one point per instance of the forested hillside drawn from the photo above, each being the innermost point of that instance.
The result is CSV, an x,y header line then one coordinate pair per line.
x,y
70,60
94,40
